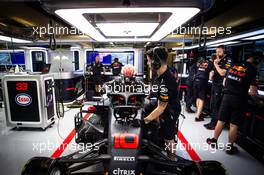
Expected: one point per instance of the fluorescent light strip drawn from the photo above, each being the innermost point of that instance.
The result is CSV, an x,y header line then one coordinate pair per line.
x,y
186,47
228,41
196,46
225,43
236,37
178,17
132,29
15,40
110,49
255,37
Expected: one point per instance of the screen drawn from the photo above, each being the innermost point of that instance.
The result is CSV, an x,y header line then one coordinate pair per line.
x,y
9,58
261,72
46,68
108,57
38,56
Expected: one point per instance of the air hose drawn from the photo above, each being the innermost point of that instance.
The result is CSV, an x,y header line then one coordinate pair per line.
x,y
59,100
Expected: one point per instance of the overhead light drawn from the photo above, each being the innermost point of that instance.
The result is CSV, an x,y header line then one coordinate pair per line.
x,y
186,47
225,43
33,48
3,24
110,49
179,15
196,46
236,37
127,29
75,48
14,40
23,21
255,37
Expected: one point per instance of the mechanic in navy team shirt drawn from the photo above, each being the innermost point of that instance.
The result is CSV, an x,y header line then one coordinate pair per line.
x,y
97,69
116,67
167,107
221,63
204,67
240,81
192,68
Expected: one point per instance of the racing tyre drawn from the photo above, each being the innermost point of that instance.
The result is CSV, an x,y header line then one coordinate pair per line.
x,y
43,166
211,167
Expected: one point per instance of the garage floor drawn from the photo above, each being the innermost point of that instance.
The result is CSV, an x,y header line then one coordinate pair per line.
x,y
19,146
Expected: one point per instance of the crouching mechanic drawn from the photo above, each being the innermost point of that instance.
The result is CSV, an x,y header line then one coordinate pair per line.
x,y
239,79
167,107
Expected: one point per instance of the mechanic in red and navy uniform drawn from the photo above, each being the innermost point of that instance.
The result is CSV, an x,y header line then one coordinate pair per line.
x,y
204,67
239,82
167,108
97,69
221,62
192,68
116,67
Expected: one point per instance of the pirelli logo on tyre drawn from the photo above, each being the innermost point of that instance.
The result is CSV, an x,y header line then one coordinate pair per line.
x,y
124,159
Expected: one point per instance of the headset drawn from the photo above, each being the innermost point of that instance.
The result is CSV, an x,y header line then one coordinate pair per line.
x,y
257,60
156,60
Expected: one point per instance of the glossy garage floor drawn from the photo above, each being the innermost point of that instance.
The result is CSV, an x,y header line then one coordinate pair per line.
x,y
19,146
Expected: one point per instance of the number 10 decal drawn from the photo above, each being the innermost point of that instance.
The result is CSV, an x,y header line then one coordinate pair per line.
x,y
126,141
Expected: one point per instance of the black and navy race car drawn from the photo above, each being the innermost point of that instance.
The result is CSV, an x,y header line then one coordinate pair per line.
x,y
121,145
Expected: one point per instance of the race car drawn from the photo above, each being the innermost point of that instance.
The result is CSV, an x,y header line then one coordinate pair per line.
x,y
122,145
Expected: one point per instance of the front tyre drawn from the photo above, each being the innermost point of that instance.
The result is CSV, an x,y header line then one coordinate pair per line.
x,y
211,168
43,166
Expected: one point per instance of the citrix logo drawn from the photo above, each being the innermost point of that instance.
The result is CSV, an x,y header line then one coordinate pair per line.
x,y
118,171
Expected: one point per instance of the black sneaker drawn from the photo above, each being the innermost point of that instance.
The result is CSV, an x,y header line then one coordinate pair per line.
x,y
210,127
233,150
189,110
205,115
212,142
208,124
199,119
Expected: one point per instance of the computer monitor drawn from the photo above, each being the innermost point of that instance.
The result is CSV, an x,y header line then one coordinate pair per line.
x,y
46,68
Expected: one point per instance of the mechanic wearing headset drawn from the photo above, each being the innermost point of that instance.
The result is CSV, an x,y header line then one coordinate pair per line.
x,y
167,107
239,79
